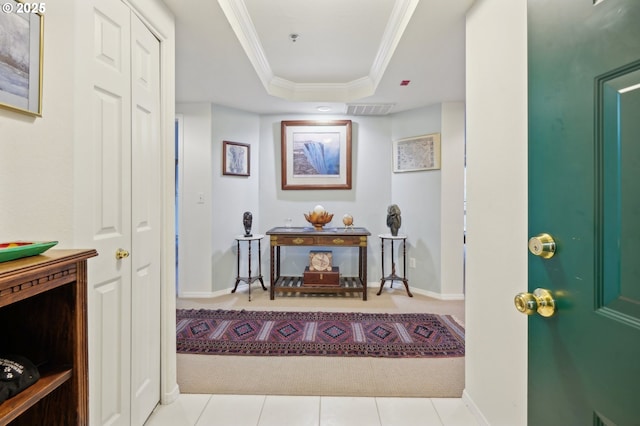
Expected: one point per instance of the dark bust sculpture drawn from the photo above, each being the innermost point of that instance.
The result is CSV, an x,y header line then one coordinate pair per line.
x,y
247,219
393,219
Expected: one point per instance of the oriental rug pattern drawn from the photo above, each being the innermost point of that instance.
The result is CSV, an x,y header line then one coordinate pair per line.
x,y
268,333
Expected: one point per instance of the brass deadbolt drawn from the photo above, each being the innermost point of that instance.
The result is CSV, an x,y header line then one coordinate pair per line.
x,y
542,245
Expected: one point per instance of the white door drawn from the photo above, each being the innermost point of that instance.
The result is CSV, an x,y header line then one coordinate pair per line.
x,y
110,204
145,213
122,214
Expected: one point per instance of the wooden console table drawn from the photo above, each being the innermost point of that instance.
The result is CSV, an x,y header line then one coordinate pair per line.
x,y
330,237
43,307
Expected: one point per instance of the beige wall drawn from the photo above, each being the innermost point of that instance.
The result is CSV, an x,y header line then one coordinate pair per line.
x,y
496,334
36,153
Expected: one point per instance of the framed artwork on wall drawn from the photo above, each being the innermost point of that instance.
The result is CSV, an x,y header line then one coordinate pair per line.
x,y
316,154
21,26
417,153
236,158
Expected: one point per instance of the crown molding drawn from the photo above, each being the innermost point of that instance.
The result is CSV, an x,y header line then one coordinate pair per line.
x,y
236,13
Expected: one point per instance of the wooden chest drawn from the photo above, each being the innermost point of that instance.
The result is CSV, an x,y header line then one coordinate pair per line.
x,y
321,278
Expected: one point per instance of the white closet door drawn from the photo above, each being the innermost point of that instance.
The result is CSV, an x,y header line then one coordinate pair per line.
x,y
110,207
121,187
145,203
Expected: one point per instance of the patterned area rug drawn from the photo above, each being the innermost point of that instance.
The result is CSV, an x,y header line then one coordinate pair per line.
x,y
267,333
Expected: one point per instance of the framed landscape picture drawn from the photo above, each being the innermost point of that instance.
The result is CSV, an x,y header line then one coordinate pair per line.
x,y
21,26
417,153
236,158
316,154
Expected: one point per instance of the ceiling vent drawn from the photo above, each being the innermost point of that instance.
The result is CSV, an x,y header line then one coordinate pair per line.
x,y
369,109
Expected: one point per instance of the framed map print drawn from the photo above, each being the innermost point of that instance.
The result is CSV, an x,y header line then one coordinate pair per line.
x,y
417,153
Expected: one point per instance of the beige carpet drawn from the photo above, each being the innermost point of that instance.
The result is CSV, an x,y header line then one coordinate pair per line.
x,y
325,376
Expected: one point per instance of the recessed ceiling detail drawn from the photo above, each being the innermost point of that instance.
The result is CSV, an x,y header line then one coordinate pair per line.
x,y
239,18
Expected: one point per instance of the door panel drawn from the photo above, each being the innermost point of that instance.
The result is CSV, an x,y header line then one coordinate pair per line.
x,y
618,97
146,187
583,168
110,198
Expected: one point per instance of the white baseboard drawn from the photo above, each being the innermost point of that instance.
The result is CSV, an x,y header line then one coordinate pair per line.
x,y
372,285
473,408
171,396
199,294
439,296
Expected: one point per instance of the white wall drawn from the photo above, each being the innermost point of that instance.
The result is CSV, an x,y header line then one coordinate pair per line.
x,y
452,201
233,195
195,217
36,154
212,268
418,196
208,229
367,200
496,334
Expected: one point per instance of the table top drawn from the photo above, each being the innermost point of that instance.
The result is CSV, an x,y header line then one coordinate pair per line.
x,y
393,237
251,238
310,230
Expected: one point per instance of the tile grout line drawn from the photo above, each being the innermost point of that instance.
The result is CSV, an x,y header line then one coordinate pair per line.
x,y
203,410
437,411
264,401
378,411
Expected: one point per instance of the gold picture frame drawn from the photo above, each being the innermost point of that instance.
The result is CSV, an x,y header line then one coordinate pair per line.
x,y
316,154
21,59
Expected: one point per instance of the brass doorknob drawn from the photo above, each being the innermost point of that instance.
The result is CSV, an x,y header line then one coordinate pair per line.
x,y
542,245
540,301
121,254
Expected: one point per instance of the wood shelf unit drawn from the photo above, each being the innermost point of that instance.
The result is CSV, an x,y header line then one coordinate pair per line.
x,y
295,284
44,299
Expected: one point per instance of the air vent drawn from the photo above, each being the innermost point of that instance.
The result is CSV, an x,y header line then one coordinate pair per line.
x,y
369,109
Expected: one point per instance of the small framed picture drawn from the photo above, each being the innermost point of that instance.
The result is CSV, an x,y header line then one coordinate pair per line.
x,y
21,52
236,158
417,153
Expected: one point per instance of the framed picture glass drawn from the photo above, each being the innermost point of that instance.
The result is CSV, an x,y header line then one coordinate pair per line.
x,y
236,158
21,26
417,153
316,154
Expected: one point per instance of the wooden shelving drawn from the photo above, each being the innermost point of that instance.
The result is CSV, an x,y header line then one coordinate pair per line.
x,y
295,284
44,299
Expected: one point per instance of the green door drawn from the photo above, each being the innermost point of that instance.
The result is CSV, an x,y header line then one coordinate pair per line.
x,y
584,190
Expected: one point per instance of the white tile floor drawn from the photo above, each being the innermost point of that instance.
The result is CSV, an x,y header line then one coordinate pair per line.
x,y
260,410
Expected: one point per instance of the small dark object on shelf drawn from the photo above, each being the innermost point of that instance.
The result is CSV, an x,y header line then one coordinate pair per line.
x,y
247,220
16,374
394,220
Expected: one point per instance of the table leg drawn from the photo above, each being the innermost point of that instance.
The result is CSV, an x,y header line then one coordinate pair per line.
x,y
382,265
272,277
405,281
237,268
260,265
393,265
249,270
363,256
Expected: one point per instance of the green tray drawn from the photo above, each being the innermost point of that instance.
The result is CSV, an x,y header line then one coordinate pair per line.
x,y
17,249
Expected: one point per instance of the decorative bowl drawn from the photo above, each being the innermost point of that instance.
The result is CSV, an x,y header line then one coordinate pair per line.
x,y
17,249
318,218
